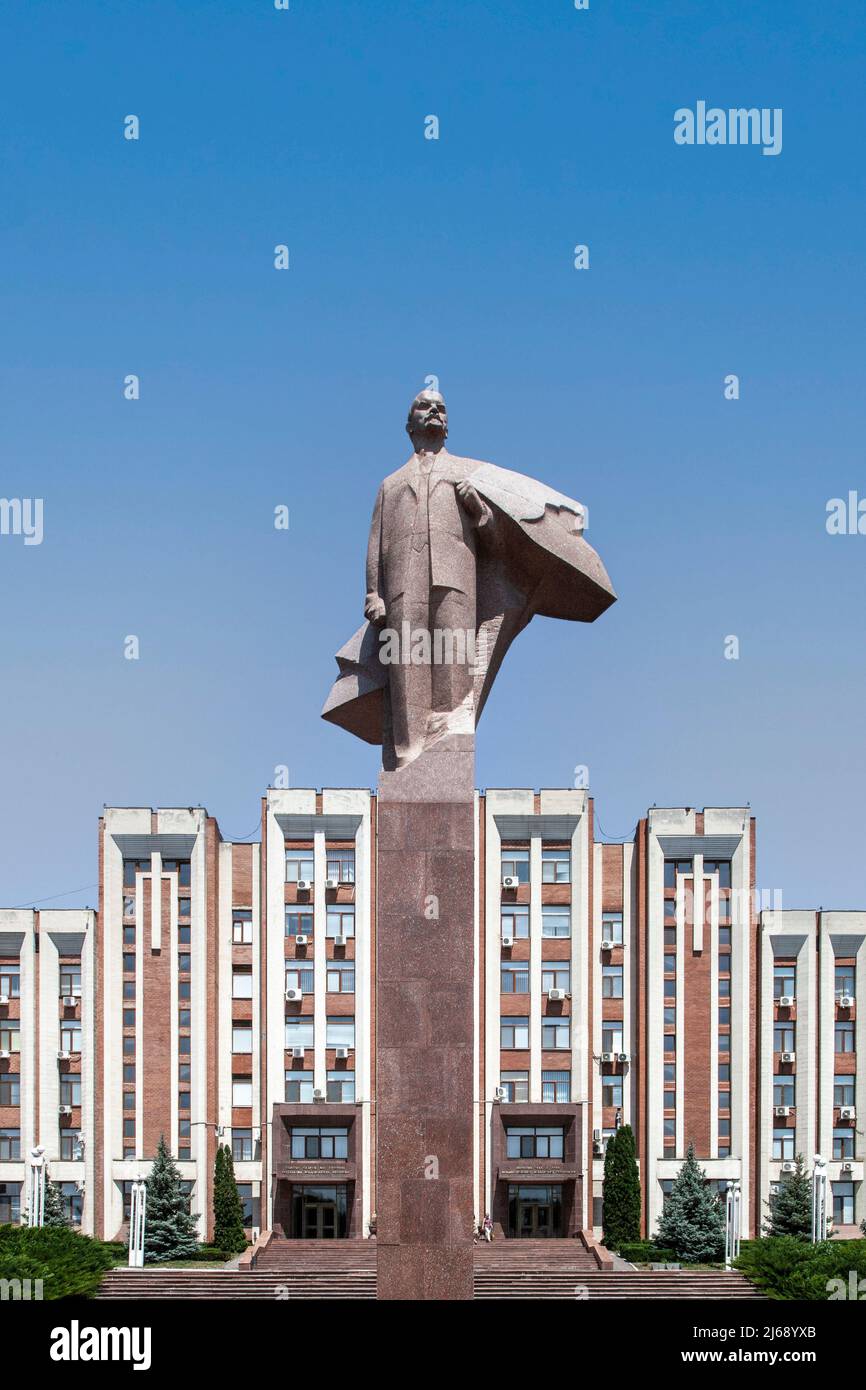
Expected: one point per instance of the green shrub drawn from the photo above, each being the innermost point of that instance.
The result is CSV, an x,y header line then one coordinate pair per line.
x,y
640,1252
69,1264
786,1267
621,1191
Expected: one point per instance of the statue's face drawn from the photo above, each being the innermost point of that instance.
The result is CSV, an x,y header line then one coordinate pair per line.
x,y
428,414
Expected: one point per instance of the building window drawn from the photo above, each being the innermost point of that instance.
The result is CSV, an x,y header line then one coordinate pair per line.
x,y
242,1092
514,922
843,1143
783,1144
242,926
670,967
341,1087
722,867
783,1037
783,1090
514,863
184,989
724,937
298,923
515,977
339,1031
245,1192
611,1035
555,866
129,905
10,1089
844,980
128,936
556,1087
299,1087
556,921
129,1047
341,865
320,1142
670,911
300,976
674,867
70,1037
843,1090
611,981
70,1090
515,1084
555,1033
670,1073
10,1036
299,865
843,1203
513,1032
183,907
10,1145
669,1042
784,981
844,1037
555,974
70,1146
611,1089
339,921
669,1132
242,983
131,867
535,1141
299,1032
666,1185
242,1145
72,1201
70,980
184,1045
183,1098
183,962
184,933
611,927
129,1073
725,988
340,977
10,1203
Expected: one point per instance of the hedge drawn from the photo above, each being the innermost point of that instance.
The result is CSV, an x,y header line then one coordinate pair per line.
x,y
784,1267
645,1252
69,1264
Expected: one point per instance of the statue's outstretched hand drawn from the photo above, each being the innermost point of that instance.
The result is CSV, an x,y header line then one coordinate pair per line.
x,y
374,609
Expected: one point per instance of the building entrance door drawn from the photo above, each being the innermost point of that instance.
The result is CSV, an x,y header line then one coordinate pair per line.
x,y
319,1212
535,1211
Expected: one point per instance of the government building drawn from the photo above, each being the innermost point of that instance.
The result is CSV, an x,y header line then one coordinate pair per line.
x,y
226,993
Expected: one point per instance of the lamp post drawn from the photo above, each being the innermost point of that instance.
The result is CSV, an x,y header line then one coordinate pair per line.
x,y
732,1223
819,1200
36,1188
137,1215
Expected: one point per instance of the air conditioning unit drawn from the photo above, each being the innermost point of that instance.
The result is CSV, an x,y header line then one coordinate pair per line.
x,y
846,1001
4,998
507,942
781,1109
5,1054
332,883
294,996
608,1056
64,1110
607,944
510,881
304,885
598,1147
786,1000
623,1057
342,1053
297,1052
63,1056
499,1093
556,995
789,1167
69,1001
318,1093
847,1167
847,1112
340,940
787,1056
302,941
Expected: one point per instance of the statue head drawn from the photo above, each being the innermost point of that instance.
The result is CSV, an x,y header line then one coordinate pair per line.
x,y
427,425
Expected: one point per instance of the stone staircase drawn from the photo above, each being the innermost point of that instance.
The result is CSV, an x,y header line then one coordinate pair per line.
x,y
346,1269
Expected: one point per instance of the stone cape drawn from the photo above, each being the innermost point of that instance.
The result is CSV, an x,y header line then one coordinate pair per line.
x,y
538,564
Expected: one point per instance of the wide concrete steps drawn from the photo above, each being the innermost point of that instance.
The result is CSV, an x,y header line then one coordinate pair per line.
x,y
616,1284
307,1255
134,1284
565,1255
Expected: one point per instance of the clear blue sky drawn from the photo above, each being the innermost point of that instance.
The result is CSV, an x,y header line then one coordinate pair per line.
x,y
410,257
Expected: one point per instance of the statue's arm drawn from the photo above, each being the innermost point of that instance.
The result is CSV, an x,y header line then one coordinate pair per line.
x,y
374,604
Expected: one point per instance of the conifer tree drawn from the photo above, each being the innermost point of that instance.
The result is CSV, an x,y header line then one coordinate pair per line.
x,y
228,1211
790,1206
621,1192
692,1222
169,1231
52,1212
